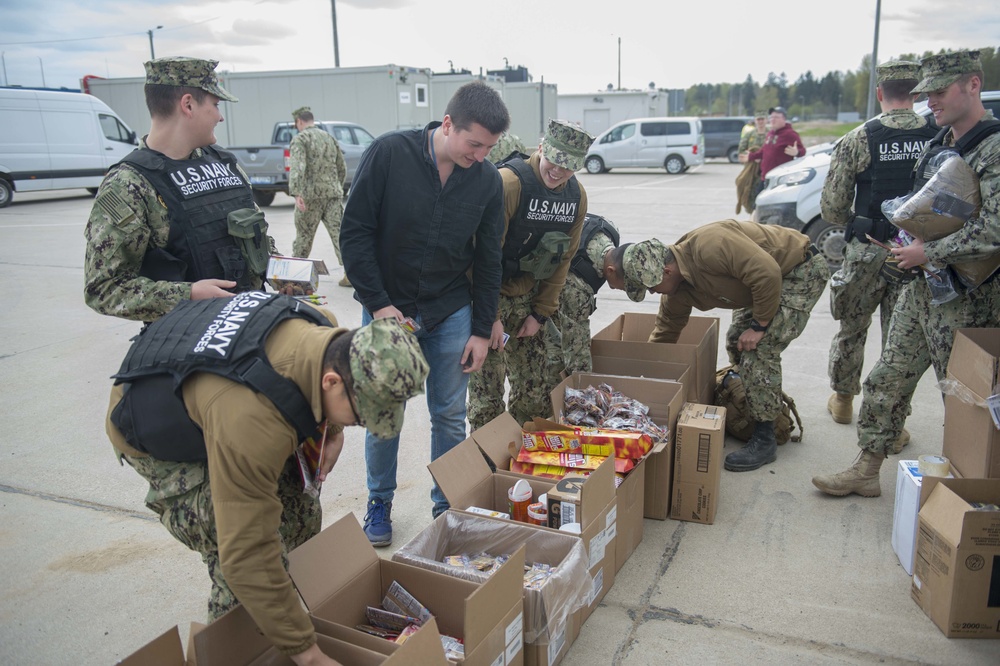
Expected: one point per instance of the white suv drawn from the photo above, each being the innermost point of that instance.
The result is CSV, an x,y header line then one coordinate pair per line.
x,y
791,193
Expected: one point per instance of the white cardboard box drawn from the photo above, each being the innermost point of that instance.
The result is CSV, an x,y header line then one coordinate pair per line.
x,y
904,515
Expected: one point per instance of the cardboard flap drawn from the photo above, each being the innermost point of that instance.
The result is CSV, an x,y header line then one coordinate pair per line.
x,y
165,650
599,489
503,590
943,510
310,568
458,472
969,490
494,437
975,359
232,639
423,647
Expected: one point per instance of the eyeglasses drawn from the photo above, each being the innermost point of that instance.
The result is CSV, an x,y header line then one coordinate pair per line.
x,y
350,400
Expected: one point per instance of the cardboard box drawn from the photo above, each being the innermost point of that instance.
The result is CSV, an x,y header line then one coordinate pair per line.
x,y
956,577
697,347
338,574
295,272
548,609
701,435
664,399
630,367
164,650
466,481
904,515
971,439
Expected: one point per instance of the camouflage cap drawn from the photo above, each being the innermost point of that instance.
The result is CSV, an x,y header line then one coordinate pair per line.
x,y
188,72
897,70
760,114
388,369
566,144
940,71
643,267
299,111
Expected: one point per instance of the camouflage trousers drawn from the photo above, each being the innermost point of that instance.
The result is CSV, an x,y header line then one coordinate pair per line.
x,y
569,351
180,493
523,361
331,212
920,335
761,368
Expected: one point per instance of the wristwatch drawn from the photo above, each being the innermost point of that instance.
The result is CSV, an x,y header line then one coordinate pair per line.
x,y
541,319
757,326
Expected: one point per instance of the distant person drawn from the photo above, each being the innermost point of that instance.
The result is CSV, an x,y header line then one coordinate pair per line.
x,y
748,181
869,165
421,239
509,144
782,144
316,176
770,276
921,333
225,478
160,230
544,209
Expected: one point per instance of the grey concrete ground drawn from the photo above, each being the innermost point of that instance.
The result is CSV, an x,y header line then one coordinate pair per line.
x,y
785,575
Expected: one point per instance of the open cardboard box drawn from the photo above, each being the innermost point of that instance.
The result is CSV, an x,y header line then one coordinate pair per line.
x,y
971,440
549,609
164,650
630,367
494,440
956,576
338,574
698,347
664,399
466,480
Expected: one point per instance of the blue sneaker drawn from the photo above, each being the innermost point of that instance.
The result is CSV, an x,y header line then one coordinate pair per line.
x,y
378,524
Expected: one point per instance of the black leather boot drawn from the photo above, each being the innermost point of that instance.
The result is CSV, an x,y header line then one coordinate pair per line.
x,y
759,451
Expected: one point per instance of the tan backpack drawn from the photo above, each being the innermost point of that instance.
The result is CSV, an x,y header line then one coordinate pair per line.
x,y
729,393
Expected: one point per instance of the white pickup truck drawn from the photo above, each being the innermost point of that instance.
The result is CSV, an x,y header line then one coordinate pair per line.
x,y
268,166
791,193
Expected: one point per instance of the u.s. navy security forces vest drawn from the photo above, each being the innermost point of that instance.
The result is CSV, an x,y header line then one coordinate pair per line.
x,y
542,211
581,264
893,153
199,195
222,336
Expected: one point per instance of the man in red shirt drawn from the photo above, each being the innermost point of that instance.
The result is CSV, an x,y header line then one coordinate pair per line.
x,y
781,145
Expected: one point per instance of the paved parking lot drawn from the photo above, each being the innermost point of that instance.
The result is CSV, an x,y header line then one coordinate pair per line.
x,y
785,575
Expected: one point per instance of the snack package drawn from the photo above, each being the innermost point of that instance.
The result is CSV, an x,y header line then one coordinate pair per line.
x,y
606,409
591,442
572,460
943,205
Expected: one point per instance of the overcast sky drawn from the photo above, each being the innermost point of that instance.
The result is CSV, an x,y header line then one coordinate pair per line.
x,y
573,44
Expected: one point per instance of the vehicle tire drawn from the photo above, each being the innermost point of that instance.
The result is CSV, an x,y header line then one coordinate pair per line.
x,y
733,154
829,238
674,164
263,198
92,191
594,164
6,193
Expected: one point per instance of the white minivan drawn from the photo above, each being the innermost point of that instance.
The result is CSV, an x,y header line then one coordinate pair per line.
x,y
674,144
57,140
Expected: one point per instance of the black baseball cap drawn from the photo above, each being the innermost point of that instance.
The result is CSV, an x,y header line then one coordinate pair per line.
x,y
778,109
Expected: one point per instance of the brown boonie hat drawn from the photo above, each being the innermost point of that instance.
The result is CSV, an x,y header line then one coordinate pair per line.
x,y
187,72
643,267
388,369
897,70
566,144
940,71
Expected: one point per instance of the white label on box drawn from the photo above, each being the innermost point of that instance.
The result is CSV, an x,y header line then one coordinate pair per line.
x,y
513,648
612,516
514,628
568,512
557,642
597,549
596,589
499,661
993,404
611,532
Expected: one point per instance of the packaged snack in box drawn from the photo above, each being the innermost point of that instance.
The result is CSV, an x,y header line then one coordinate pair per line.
x,y
592,442
572,460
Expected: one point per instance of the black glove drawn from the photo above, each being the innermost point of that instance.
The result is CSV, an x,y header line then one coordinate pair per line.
x,y
892,272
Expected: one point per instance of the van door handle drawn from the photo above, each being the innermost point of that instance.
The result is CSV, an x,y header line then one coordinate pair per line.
x,y
109,147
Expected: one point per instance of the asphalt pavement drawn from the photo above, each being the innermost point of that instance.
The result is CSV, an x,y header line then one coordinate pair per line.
x,y
785,575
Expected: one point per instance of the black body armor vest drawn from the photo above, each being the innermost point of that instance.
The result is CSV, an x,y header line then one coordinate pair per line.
x,y
581,264
541,211
893,153
199,195
222,336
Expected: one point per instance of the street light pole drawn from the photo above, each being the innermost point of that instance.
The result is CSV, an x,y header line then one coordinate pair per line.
x,y
152,53
619,63
336,43
42,67
3,59
874,63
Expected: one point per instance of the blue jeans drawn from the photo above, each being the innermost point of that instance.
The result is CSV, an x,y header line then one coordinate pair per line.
x,y
446,392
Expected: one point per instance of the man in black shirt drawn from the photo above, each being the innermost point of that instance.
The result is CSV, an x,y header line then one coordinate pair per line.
x,y
425,208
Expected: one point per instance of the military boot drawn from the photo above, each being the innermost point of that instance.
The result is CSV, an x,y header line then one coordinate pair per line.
x,y
760,450
861,477
901,441
344,282
841,407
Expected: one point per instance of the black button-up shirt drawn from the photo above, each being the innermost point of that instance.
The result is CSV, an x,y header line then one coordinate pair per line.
x,y
410,243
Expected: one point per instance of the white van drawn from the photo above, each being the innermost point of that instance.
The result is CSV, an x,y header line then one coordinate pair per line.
x,y
57,140
673,144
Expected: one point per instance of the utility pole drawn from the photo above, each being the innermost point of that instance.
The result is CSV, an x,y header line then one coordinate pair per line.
x,y
42,67
874,63
619,63
152,53
336,43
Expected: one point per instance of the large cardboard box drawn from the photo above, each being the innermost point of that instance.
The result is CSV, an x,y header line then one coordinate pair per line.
x,y
466,480
697,347
701,434
904,514
956,577
664,399
548,609
971,439
338,574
